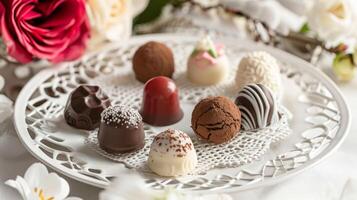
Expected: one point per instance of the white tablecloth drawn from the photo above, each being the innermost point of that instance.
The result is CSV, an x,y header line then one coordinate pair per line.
x,y
331,179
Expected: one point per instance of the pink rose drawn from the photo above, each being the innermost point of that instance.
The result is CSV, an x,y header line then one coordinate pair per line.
x,y
56,30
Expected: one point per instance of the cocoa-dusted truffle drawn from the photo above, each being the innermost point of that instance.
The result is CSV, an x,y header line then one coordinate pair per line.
x,y
84,106
121,130
216,119
172,154
153,59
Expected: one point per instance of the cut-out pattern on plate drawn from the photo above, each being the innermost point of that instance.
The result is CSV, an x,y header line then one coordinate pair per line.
x,y
320,117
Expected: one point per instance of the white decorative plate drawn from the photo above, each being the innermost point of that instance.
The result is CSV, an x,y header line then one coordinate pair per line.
x,y
319,120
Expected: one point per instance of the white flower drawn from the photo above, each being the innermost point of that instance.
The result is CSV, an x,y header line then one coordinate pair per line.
x,y
112,19
6,111
270,12
333,20
126,187
214,197
38,184
6,108
130,186
300,7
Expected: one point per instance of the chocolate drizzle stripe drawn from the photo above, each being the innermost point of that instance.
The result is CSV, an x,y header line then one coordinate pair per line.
x,y
257,106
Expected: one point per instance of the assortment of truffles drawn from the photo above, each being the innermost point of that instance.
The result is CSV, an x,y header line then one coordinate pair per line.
x,y
257,106
172,154
151,60
161,106
259,67
121,130
207,64
84,106
214,119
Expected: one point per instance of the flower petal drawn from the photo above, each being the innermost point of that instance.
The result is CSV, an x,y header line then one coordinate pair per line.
x,y
54,186
73,198
111,196
13,47
36,173
2,12
214,197
76,49
128,186
6,109
51,30
22,187
332,20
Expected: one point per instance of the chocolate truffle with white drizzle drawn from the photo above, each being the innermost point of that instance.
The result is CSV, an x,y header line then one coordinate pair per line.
x,y
258,107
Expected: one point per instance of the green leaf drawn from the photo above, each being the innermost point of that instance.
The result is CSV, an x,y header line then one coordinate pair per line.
x,y
355,56
212,48
305,28
343,67
152,11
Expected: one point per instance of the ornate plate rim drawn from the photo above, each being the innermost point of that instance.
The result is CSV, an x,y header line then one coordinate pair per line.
x,y
30,87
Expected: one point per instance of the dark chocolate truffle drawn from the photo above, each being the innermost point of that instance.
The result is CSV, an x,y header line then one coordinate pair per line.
x,y
121,130
153,59
216,119
257,105
84,106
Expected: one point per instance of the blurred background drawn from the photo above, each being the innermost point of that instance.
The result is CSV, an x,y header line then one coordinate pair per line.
x,y
322,32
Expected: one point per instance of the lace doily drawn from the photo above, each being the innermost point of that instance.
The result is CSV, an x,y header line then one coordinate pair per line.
x,y
124,89
244,148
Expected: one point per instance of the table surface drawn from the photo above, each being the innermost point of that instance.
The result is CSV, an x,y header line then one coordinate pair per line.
x,y
321,182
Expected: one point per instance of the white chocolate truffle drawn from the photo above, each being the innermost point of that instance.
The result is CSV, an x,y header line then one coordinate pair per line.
x,y
207,64
172,154
259,67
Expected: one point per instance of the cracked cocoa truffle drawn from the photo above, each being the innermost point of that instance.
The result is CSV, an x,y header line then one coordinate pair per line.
x,y
84,106
216,119
153,59
172,154
121,130
257,105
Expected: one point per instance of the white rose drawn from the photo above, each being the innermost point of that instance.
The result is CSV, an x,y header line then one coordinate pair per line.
x,y
112,19
270,12
333,20
6,108
131,186
300,7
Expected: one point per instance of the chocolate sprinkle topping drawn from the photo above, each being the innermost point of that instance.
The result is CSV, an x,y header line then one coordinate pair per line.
x,y
174,141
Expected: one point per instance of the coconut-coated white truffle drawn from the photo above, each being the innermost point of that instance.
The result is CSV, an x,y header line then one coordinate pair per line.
x,y
172,154
259,68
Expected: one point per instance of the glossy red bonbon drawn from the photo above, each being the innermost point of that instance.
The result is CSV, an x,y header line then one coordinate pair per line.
x,y
161,106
